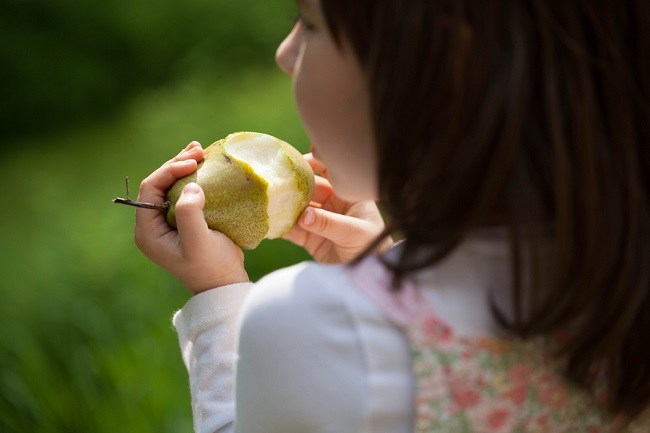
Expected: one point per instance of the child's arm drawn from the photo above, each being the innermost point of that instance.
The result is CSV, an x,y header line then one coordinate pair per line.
x,y
201,258
335,230
206,329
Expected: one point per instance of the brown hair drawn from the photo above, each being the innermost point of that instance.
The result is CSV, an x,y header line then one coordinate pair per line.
x,y
529,114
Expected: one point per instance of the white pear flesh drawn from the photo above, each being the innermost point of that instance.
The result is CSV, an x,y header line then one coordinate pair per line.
x,y
269,160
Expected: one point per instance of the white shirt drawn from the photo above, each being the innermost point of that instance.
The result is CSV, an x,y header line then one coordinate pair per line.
x,y
311,354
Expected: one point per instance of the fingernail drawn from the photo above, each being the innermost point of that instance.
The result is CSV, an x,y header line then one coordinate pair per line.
x,y
191,188
308,217
187,162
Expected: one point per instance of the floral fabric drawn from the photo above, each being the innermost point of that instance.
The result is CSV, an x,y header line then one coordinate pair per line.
x,y
484,385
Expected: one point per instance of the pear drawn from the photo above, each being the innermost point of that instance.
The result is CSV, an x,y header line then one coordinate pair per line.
x,y
256,186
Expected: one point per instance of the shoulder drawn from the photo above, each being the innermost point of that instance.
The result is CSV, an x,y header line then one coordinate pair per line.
x,y
314,352
303,294
300,359
333,357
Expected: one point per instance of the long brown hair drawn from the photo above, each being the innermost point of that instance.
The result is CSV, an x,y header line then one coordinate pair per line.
x,y
534,115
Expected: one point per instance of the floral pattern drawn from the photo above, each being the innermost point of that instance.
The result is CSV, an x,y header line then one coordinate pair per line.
x,y
483,385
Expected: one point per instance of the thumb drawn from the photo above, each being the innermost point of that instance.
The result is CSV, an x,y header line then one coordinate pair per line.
x,y
340,229
191,225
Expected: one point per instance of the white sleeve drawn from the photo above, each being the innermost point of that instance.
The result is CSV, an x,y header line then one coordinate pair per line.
x,y
301,367
206,328
307,352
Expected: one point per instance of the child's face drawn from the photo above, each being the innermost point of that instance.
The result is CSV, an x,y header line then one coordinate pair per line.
x,y
333,101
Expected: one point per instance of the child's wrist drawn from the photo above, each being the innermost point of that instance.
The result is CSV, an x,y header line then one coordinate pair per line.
x,y
198,286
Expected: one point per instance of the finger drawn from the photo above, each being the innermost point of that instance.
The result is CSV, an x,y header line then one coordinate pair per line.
x,y
340,229
324,195
192,151
154,188
309,241
297,235
322,190
190,223
316,165
192,144
156,185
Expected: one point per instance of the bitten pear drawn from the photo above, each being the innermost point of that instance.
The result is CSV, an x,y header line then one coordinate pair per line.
x,y
256,186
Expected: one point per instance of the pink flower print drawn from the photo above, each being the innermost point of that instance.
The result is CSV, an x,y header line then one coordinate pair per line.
x,y
517,394
518,376
467,354
466,398
433,328
463,394
520,373
497,417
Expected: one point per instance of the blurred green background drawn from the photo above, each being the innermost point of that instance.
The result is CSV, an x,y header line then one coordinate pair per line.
x,y
91,92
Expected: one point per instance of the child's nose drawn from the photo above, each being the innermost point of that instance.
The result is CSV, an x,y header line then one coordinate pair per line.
x,y
287,52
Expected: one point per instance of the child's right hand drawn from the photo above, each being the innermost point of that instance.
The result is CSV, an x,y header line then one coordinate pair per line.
x,y
201,258
335,230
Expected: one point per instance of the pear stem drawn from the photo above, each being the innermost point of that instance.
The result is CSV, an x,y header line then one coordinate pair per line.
x,y
163,207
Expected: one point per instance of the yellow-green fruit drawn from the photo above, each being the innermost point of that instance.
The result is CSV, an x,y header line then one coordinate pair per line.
x,y
255,187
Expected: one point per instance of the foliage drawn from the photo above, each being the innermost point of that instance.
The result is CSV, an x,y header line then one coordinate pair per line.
x,y
86,342
65,61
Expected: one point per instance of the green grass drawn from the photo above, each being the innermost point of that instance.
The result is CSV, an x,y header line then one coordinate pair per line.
x,y
86,342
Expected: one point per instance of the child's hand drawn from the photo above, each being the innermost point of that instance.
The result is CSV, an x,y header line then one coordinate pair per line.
x,y
201,258
336,231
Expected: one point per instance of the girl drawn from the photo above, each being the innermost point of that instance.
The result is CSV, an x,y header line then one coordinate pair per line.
x,y
508,144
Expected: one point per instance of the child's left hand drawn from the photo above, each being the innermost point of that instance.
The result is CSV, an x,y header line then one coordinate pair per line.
x,y
201,258
336,231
